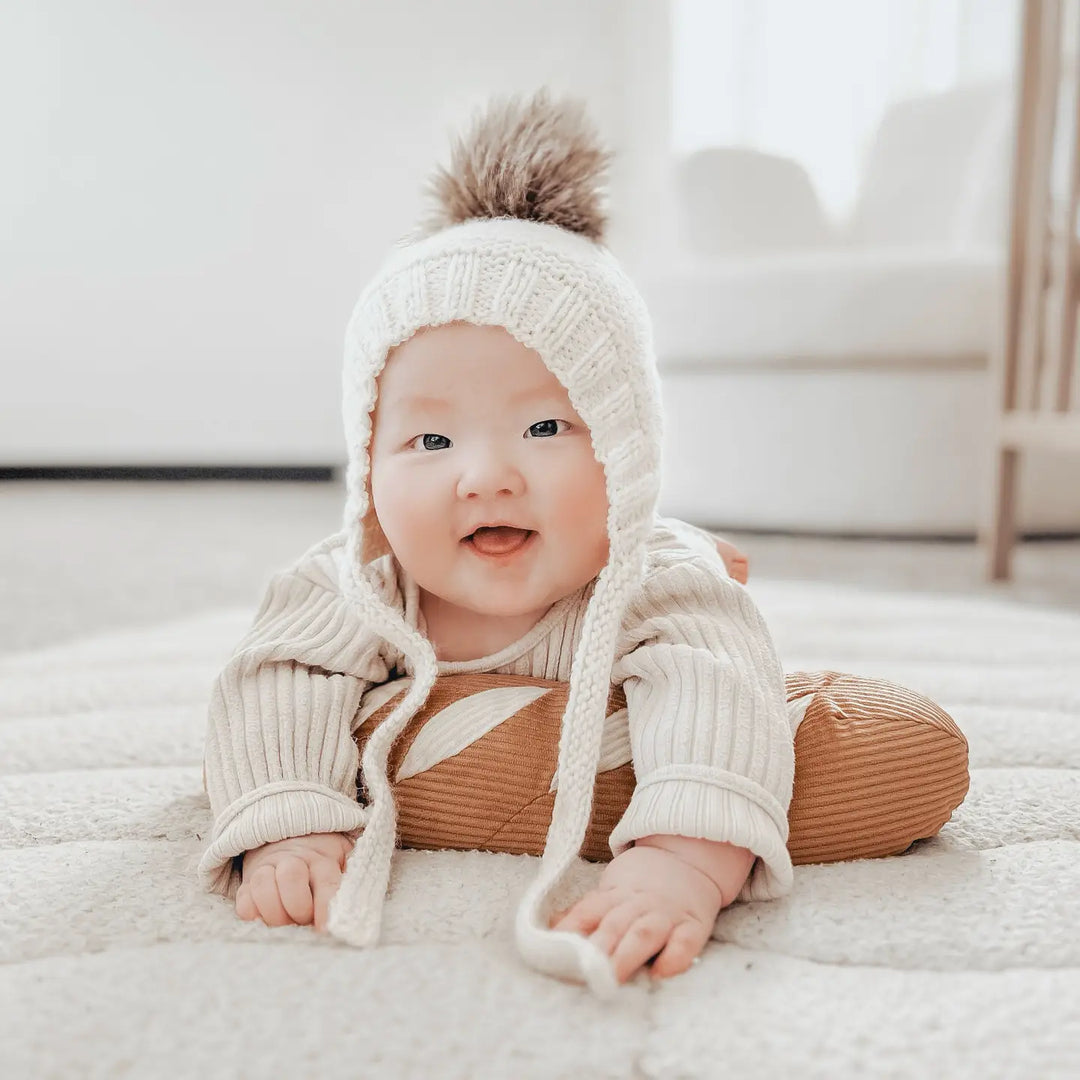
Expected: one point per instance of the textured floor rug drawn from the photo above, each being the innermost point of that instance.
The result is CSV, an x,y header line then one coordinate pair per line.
x,y
960,958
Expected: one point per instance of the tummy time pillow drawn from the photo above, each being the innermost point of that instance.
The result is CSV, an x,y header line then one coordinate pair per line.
x,y
877,766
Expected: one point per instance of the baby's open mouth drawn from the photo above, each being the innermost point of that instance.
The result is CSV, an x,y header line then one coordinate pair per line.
x,y
498,540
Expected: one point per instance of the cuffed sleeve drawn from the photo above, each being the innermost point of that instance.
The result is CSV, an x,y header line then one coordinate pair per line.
x,y
280,759
712,744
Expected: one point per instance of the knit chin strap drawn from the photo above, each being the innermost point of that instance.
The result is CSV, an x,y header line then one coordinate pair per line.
x,y
355,914
561,953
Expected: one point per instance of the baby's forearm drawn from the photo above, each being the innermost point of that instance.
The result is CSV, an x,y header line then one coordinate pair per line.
x,y
726,865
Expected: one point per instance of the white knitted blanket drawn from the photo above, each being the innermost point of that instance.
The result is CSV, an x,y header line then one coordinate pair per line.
x,y
958,959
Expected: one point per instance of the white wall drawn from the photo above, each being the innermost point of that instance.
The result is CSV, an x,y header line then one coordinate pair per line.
x,y
193,194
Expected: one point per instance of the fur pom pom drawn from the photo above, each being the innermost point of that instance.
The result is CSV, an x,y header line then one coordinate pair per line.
x,y
531,159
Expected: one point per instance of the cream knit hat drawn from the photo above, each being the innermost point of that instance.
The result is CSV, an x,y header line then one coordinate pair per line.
x,y
517,244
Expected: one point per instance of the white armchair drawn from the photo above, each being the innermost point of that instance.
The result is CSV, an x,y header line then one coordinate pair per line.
x,y
834,377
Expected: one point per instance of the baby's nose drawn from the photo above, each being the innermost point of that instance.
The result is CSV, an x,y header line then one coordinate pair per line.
x,y
491,479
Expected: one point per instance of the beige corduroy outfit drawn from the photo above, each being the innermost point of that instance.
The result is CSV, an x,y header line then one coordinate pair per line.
x,y
521,249
281,758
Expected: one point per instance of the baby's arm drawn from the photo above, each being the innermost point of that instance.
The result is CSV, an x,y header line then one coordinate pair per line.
x,y
280,759
713,753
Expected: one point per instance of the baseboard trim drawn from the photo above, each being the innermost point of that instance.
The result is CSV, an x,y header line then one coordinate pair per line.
x,y
305,474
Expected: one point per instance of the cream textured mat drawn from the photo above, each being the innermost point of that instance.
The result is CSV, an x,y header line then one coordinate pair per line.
x,y
958,959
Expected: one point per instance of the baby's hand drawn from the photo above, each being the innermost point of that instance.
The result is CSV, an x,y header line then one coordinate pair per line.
x,y
647,902
293,881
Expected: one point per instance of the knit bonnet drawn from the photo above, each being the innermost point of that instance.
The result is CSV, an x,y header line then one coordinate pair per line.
x,y
517,242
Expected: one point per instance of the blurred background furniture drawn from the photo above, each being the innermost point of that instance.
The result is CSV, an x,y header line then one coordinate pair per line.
x,y
1037,379
836,377
179,264
186,228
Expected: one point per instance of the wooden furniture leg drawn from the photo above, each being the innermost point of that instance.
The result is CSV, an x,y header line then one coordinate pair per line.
x,y
1003,524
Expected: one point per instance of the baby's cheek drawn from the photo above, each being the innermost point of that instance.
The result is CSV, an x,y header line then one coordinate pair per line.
x,y
587,504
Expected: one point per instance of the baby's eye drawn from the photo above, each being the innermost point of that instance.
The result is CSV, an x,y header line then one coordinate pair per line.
x,y
427,445
545,424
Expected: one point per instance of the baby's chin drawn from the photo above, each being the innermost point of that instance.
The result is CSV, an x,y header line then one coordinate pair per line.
x,y
508,603
495,599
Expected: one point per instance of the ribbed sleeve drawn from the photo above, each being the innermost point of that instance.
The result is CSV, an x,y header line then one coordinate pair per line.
x,y
280,759
712,745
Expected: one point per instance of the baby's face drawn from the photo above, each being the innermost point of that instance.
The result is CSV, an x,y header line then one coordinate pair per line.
x,y
495,440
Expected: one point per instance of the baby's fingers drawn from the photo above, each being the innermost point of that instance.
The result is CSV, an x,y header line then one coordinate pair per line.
x,y
686,942
294,889
644,938
265,898
325,881
584,916
245,906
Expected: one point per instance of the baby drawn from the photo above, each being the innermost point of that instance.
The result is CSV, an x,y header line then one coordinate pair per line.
x,y
502,412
